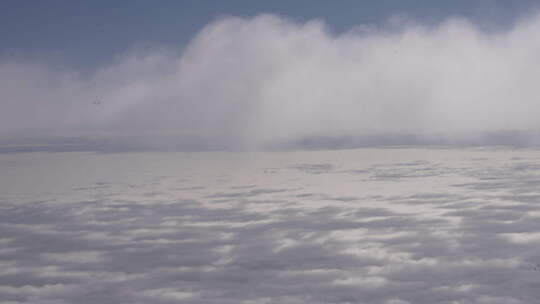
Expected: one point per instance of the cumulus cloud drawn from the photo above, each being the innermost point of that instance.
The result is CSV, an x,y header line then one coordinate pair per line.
x,y
268,79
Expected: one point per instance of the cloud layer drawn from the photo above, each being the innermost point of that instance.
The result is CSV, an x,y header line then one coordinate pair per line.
x,y
383,226
268,79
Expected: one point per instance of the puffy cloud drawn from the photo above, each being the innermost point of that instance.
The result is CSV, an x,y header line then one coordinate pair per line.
x,y
268,79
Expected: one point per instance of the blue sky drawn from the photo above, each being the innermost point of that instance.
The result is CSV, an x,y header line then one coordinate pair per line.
x,y
87,34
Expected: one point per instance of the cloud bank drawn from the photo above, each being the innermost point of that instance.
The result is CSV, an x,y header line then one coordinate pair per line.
x,y
267,79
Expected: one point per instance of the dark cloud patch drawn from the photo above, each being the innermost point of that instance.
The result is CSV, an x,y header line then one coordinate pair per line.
x,y
313,168
245,194
400,171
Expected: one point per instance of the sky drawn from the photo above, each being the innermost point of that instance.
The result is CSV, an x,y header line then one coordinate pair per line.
x,y
86,34
250,73
392,225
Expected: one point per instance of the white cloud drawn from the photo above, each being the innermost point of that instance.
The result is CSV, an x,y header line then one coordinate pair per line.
x,y
267,79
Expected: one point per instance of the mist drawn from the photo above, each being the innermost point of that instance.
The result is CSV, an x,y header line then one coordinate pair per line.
x,y
251,82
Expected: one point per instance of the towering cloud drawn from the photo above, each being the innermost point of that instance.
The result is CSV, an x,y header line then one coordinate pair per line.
x,y
268,79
